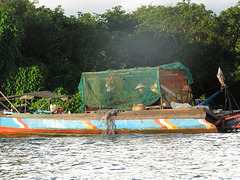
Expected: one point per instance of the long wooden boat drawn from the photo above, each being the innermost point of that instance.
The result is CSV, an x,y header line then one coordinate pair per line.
x,y
109,99
191,120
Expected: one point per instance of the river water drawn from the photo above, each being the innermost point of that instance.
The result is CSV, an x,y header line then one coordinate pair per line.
x,y
130,157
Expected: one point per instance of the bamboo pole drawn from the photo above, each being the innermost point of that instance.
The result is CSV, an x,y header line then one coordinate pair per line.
x,y
161,100
65,104
8,101
28,103
25,108
43,105
5,106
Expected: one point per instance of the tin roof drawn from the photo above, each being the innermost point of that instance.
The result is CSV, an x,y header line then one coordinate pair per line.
x,y
39,94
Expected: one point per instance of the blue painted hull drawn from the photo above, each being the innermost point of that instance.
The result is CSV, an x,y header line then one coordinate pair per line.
x,y
44,126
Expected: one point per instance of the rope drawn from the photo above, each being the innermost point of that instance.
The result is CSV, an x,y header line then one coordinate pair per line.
x,y
108,124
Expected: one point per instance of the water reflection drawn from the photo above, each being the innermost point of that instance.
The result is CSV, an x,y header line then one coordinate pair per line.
x,y
132,156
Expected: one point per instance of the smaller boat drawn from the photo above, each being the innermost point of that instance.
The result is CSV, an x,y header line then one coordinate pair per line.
x,y
228,120
232,123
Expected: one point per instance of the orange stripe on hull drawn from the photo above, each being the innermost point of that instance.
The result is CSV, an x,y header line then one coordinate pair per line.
x,y
89,125
171,125
233,117
207,124
165,124
158,122
24,124
19,131
22,132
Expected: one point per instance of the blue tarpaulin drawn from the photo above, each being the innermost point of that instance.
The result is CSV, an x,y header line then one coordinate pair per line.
x,y
209,99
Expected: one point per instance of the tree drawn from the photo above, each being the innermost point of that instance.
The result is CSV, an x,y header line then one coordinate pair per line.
x,y
118,20
185,22
9,40
229,40
119,27
229,21
28,79
18,8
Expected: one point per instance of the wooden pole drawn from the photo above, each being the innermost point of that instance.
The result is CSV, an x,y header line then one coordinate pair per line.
x,y
43,105
8,101
161,99
66,104
5,106
165,98
28,103
25,105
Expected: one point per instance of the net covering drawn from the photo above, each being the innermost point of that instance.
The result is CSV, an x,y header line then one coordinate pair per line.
x,y
121,89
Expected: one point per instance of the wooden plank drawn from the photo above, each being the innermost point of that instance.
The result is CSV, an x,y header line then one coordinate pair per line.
x,y
198,113
163,114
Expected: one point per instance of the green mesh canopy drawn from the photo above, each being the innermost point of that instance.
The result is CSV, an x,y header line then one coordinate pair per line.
x,y
121,89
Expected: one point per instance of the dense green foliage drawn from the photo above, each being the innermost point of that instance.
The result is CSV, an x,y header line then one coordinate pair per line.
x,y
42,49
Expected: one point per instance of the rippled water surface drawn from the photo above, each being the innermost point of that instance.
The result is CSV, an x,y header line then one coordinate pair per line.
x,y
168,156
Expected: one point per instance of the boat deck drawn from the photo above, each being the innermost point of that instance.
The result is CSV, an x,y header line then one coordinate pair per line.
x,y
196,113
